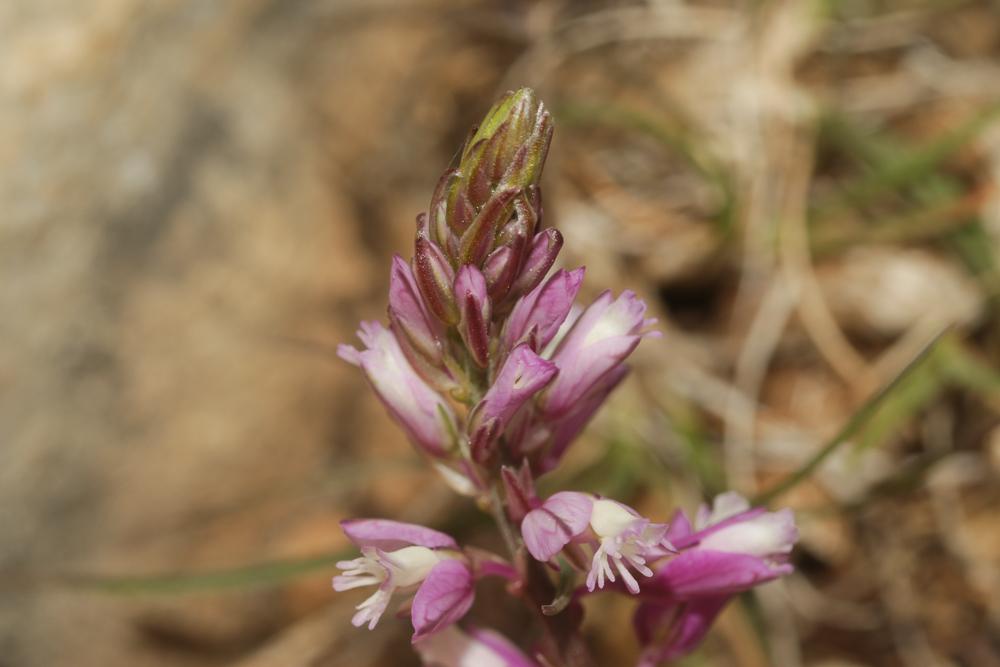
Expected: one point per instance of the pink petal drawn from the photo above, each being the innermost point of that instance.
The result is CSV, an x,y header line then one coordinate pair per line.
x,y
503,648
601,339
544,308
551,527
451,647
572,424
443,598
407,310
680,529
700,573
523,375
391,535
683,633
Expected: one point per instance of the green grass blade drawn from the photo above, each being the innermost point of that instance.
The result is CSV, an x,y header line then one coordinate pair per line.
x,y
853,425
248,576
905,168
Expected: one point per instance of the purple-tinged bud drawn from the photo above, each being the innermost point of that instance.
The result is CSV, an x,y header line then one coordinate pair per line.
x,y
511,143
525,167
485,164
477,241
601,339
435,278
543,309
524,222
541,256
408,314
475,312
437,218
500,269
519,491
425,416
522,375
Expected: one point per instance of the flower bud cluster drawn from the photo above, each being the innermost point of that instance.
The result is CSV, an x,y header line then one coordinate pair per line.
x,y
485,360
492,370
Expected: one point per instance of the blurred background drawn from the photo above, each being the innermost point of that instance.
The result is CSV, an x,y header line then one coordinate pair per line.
x,y
199,199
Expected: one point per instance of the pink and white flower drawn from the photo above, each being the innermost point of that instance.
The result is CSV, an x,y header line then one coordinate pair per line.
x,y
599,341
623,542
405,557
423,413
522,375
731,548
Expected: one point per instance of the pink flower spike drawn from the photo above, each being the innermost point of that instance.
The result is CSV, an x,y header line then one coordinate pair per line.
x,y
443,598
522,375
388,535
548,529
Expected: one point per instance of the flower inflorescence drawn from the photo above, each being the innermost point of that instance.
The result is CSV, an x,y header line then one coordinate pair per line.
x,y
492,371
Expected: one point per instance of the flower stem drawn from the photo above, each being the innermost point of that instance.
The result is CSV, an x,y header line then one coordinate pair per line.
x,y
500,517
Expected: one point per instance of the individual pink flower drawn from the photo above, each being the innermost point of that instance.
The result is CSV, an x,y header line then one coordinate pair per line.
x,y
731,548
423,413
538,315
409,315
405,557
599,341
476,648
622,541
522,375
